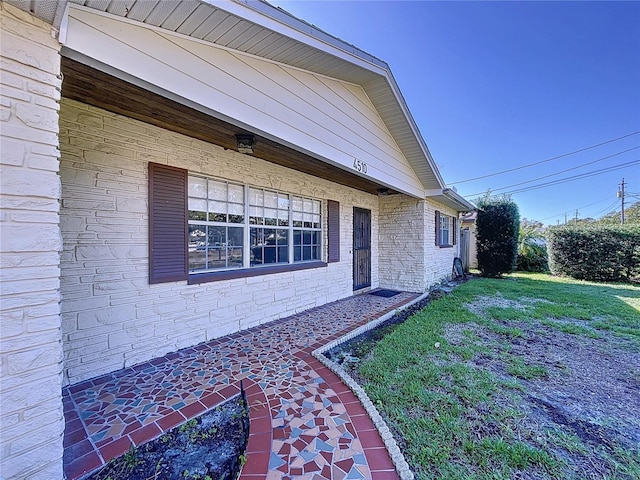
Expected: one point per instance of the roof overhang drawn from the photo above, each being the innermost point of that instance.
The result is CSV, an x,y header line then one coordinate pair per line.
x,y
258,28
87,85
451,198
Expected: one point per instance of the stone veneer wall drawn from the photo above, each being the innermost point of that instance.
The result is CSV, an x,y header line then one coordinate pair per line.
x,y
31,418
112,317
402,243
438,261
409,258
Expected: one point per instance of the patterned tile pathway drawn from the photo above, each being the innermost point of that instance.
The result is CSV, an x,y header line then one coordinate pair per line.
x,y
305,424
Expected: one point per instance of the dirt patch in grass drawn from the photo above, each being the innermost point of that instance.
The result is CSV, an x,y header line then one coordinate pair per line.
x,y
571,390
579,397
209,447
589,379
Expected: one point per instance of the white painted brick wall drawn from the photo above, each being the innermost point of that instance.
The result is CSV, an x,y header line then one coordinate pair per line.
x,y
108,304
31,419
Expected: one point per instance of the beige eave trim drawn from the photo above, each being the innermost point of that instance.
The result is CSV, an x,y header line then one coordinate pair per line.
x,y
450,198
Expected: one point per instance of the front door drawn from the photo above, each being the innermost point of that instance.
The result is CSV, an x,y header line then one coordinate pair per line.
x,y
361,248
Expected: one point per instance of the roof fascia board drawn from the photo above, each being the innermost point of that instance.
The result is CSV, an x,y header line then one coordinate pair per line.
x,y
414,127
61,14
272,11
64,24
456,197
450,198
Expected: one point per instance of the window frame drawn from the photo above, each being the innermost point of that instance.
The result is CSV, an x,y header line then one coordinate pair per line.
x,y
169,233
251,224
445,230
445,223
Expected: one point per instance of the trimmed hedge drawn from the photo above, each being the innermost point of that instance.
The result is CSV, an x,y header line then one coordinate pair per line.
x,y
600,252
497,236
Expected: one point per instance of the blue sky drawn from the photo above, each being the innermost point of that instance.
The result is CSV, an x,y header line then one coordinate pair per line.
x,y
494,86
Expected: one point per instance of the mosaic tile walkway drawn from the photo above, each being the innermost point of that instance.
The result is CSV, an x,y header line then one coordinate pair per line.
x,y
305,424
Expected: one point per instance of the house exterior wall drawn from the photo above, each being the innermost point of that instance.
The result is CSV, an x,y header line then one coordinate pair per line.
x,y
108,304
402,243
409,258
438,260
333,120
31,416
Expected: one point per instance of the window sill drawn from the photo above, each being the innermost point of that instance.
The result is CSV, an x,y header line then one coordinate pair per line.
x,y
446,246
195,278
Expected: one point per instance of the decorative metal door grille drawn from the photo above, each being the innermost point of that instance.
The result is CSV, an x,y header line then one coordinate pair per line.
x,y
361,248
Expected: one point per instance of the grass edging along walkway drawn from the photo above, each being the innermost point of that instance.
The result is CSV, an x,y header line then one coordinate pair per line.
x,y
402,467
531,376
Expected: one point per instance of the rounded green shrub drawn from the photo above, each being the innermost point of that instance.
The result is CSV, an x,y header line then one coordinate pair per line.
x,y
497,236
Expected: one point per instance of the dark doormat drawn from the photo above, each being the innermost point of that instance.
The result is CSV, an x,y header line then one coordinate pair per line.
x,y
385,293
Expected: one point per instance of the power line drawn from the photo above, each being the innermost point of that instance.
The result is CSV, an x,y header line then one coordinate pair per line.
x,y
608,209
565,171
580,208
544,161
566,179
576,177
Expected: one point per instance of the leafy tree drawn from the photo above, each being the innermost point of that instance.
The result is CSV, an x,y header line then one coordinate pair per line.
x,y
497,235
631,216
532,249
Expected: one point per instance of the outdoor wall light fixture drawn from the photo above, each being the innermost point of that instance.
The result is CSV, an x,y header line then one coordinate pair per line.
x,y
383,192
246,142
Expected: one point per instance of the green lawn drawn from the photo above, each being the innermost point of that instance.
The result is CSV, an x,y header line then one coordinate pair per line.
x,y
463,382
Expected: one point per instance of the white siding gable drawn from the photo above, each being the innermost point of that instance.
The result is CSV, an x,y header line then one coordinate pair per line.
x,y
330,119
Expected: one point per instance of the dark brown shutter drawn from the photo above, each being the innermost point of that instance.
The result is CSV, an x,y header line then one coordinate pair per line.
x,y
333,224
167,223
455,229
437,227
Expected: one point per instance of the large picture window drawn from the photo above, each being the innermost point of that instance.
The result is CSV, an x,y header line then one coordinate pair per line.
x,y
233,226
204,229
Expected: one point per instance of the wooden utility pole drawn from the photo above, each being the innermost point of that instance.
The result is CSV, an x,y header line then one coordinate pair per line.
x,y
621,196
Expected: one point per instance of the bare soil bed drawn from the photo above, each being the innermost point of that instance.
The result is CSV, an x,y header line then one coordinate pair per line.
x,y
209,447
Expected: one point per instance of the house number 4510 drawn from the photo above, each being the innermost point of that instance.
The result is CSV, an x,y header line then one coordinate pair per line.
x,y
359,166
